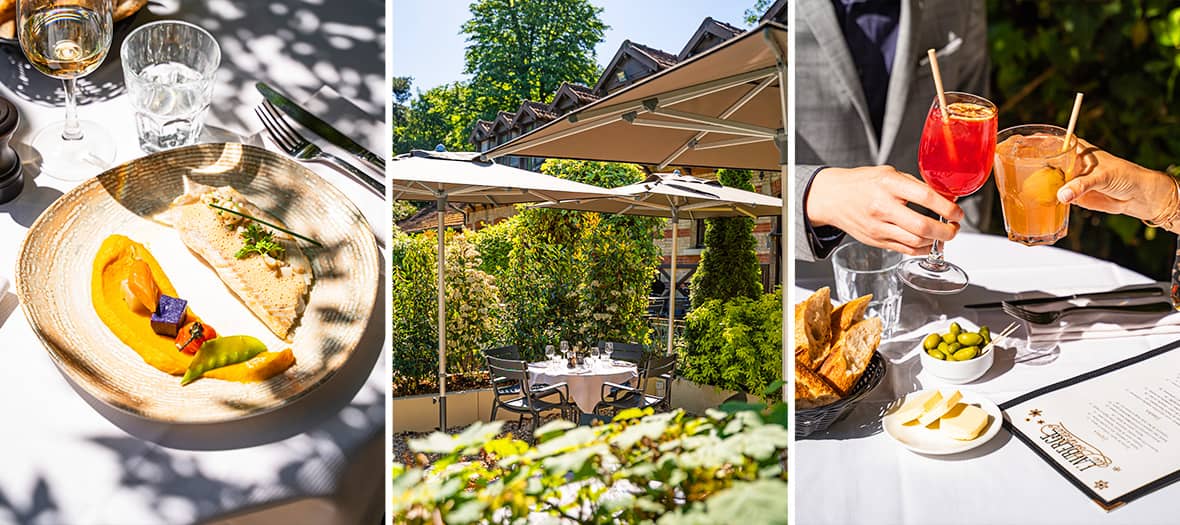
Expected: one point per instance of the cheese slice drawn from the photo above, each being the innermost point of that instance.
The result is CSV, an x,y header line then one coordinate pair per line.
x,y
916,405
943,406
963,422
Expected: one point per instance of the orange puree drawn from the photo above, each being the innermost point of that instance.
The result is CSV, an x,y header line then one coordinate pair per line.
x,y
112,265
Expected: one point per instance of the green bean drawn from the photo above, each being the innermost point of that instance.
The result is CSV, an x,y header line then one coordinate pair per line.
x,y
219,352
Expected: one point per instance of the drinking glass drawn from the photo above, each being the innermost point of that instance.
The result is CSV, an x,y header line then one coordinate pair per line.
x,y
565,350
954,158
169,68
1030,168
550,354
861,269
68,39
610,350
594,354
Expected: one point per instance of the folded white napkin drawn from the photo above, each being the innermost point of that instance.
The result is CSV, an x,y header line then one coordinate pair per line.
x,y
1101,324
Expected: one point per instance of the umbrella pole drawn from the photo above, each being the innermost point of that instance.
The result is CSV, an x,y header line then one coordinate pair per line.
x,y
442,316
785,157
672,279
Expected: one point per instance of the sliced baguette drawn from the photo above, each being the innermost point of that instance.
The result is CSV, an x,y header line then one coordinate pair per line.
x,y
848,314
813,329
851,354
811,390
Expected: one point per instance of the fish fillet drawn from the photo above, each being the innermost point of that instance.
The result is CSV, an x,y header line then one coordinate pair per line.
x,y
274,289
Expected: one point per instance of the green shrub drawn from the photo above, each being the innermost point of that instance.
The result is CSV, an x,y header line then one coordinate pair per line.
x,y
729,263
735,344
473,310
662,468
495,244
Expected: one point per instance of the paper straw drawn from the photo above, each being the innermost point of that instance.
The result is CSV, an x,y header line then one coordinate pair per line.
x,y
937,80
1073,121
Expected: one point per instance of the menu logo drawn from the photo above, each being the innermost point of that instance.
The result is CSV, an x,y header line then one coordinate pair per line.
x,y
1072,449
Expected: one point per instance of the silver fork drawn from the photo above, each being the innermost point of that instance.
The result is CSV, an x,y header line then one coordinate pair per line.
x,y
1036,317
290,141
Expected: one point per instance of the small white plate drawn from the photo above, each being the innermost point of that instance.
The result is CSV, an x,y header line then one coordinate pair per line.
x,y
928,441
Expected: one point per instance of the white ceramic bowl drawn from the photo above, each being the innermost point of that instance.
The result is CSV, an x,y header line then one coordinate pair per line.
x,y
956,372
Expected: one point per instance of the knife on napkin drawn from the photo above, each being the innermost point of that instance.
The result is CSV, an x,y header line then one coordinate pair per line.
x,y
1129,293
318,126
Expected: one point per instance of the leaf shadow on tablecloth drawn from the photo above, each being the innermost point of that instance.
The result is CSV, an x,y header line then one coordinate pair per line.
x,y
298,47
42,507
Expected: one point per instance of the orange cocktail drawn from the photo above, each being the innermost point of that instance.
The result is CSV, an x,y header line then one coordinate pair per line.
x,y
1030,168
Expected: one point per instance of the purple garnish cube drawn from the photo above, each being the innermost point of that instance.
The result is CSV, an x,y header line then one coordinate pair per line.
x,y
169,316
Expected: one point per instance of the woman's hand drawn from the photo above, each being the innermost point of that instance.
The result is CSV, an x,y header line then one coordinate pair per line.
x,y
1110,184
869,203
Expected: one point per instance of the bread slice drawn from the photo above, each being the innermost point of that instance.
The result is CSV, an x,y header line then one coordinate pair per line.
x,y
851,354
813,330
811,390
848,314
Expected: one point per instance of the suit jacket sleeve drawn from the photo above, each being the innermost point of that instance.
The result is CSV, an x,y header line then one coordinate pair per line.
x,y
811,243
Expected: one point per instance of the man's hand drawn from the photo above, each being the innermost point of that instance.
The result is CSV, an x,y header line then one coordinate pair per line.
x,y
869,203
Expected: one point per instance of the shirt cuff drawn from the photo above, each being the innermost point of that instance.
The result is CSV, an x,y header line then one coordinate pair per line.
x,y
822,239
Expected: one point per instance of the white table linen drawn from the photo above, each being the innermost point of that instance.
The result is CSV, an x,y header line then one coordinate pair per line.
x,y
585,383
854,473
67,458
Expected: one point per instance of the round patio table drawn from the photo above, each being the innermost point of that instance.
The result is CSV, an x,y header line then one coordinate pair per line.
x,y
70,459
585,383
854,473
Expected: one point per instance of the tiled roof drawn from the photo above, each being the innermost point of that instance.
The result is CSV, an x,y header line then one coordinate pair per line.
x,y
727,27
427,219
662,58
543,111
584,93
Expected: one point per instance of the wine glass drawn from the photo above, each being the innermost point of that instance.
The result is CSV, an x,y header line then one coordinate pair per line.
x,y
68,39
565,350
594,354
550,354
955,158
610,350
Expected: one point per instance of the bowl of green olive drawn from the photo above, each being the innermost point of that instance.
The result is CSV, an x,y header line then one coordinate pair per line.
x,y
958,352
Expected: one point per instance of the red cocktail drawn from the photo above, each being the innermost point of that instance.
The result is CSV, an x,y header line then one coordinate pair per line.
x,y
954,158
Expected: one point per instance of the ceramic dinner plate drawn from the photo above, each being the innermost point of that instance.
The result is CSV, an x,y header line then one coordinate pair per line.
x,y
926,441
54,272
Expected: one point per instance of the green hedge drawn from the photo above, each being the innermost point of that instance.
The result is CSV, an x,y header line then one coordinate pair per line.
x,y
735,344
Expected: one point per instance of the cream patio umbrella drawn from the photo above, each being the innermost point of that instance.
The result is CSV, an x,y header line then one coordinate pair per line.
x,y
724,108
462,177
677,197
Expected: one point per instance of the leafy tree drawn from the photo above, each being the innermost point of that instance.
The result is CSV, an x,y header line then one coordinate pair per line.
x,y
729,263
401,94
753,14
524,49
1125,56
440,115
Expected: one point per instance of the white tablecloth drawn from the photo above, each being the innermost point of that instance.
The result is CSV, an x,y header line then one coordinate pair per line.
x,y
65,458
585,384
856,474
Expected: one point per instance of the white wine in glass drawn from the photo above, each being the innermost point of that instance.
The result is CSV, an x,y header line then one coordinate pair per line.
x,y
68,39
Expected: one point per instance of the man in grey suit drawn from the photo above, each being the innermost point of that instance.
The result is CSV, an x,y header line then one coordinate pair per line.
x,y
863,88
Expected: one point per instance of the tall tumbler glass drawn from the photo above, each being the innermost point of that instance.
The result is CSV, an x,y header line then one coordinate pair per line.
x,y
169,68
860,270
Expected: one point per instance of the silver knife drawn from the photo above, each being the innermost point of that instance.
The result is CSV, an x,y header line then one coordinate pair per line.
x,y
318,126
1143,291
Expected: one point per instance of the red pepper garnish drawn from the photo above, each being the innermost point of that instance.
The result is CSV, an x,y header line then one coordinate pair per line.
x,y
190,338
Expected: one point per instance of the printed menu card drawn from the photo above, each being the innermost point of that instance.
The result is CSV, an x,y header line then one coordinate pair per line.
x,y
1113,432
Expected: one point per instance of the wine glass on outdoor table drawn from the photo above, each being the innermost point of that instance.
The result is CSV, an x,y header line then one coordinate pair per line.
x,y
955,157
68,39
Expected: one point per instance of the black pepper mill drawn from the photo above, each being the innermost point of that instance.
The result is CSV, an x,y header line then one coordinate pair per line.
x,y
11,181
